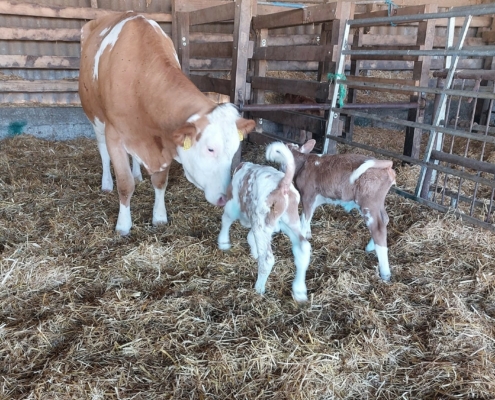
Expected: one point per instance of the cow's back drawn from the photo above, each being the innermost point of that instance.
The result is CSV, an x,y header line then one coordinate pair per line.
x,y
130,79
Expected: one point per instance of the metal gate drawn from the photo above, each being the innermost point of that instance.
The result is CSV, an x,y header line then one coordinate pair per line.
x,y
457,153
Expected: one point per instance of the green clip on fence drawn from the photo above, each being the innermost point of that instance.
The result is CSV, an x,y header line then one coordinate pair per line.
x,y
342,88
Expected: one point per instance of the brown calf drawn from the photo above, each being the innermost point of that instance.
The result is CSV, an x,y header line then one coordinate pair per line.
x,y
349,180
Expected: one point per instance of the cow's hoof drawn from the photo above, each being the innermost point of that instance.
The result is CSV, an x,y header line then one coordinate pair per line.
x,y
158,222
224,246
123,232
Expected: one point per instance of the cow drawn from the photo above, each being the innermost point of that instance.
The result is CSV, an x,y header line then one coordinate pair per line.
x,y
141,104
352,181
265,200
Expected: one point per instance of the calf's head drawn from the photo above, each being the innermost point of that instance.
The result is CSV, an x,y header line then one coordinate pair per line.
x,y
205,147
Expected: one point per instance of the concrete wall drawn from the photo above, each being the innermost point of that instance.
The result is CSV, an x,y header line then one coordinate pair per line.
x,y
52,123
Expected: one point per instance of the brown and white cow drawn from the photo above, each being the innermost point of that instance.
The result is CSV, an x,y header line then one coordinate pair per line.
x,y
349,180
141,104
265,200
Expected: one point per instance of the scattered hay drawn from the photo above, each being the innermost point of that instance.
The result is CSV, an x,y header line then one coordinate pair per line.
x,y
163,313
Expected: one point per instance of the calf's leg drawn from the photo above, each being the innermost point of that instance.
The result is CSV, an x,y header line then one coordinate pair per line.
x,y
230,214
377,220
301,249
263,237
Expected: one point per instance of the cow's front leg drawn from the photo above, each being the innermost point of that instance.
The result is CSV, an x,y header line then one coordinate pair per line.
x,y
159,181
125,186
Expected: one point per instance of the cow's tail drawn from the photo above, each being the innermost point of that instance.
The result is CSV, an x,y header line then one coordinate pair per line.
x,y
371,163
279,153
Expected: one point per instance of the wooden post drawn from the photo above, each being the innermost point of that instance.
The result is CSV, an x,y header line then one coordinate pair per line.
x,y
183,41
242,25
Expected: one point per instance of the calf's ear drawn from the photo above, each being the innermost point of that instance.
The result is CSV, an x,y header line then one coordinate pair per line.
x,y
185,135
308,146
244,126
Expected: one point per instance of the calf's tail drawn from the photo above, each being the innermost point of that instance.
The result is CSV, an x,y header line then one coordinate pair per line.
x,y
372,163
279,153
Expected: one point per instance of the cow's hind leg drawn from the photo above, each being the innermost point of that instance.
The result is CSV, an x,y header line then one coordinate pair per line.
x,y
125,182
159,181
136,170
377,220
106,176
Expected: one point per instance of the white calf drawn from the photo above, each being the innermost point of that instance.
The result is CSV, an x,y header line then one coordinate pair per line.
x,y
265,200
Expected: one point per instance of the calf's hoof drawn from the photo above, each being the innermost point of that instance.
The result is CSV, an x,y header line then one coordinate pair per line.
x,y
300,296
224,245
385,277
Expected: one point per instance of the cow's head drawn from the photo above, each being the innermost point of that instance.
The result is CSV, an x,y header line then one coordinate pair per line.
x,y
206,146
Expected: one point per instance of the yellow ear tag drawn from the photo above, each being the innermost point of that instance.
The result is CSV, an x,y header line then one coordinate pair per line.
x,y
241,135
187,143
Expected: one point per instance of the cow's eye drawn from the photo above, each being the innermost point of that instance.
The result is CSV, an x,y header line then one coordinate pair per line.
x,y
211,150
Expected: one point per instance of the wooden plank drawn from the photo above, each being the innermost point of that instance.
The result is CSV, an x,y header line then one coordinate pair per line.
x,y
219,27
396,12
39,86
292,53
202,37
310,123
354,83
210,64
313,89
209,15
209,84
210,50
58,34
488,37
301,16
34,10
193,5
52,62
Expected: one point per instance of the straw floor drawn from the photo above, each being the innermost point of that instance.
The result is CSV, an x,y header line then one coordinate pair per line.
x,y
164,314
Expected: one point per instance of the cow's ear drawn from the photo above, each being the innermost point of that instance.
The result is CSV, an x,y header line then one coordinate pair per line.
x,y
308,146
244,126
185,135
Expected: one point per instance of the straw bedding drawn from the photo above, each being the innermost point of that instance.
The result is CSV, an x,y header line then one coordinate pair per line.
x,y
163,314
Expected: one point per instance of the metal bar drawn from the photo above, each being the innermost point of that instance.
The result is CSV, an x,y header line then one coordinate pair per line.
x,y
475,10
282,107
379,106
486,51
426,127
323,106
333,114
460,174
444,209
436,136
424,89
